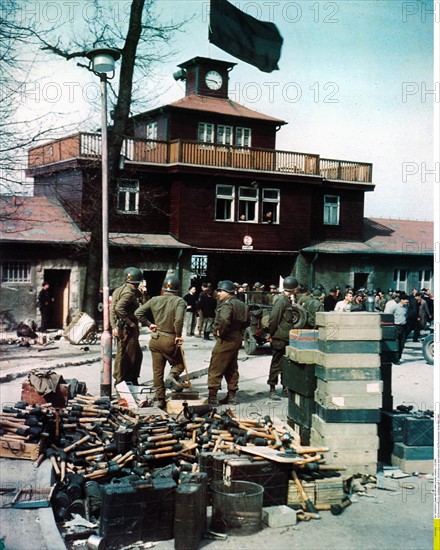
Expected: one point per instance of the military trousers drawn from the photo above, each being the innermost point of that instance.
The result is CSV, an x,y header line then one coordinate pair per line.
x,y
224,364
276,365
128,359
163,348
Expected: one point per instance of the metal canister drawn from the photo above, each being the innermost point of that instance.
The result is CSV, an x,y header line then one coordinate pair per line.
x,y
95,542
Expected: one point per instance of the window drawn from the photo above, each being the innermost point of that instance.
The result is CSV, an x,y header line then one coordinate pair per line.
x,y
270,206
199,265
400,279
243,137
224,207
425,278
206,132
128,196
16,272
247,204
331,210
224,135
152,130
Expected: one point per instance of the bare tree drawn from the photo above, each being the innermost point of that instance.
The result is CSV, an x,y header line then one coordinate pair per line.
x,y
141,41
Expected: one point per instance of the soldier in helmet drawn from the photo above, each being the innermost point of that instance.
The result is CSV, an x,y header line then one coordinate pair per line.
x,y
164,315
125,300
229,324
280,324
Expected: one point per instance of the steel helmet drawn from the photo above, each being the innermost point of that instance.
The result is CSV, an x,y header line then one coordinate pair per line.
x,y
290,283
171,284
133,275
227,286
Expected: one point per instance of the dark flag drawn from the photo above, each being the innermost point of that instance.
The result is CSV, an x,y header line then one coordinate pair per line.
x,y
241,35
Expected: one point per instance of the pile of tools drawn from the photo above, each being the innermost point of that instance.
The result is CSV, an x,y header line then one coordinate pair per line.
x,y
94,442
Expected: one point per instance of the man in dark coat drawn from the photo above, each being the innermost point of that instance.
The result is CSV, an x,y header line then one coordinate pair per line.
x,y
229,324
44,301
191,310
206,305
330,300
125,300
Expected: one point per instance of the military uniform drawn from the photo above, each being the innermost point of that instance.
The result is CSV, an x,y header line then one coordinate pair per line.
x,y
312,305
229,324
167,312
280,324
128,360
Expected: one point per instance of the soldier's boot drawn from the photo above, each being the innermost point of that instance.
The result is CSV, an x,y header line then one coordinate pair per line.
x,y
160,403
273,395
212,397
172,382
206,336
229,399
285,392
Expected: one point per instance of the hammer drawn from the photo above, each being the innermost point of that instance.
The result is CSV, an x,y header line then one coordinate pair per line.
x,y
310,507
337,509
51,455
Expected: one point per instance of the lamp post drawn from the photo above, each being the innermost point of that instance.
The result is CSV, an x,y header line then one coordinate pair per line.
x,y
102,63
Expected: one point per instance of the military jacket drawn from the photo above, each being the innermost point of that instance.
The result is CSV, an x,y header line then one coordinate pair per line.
x,y
167,311
125,300
231,316
281,318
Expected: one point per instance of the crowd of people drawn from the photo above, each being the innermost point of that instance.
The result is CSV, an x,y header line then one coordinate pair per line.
x,y
222,311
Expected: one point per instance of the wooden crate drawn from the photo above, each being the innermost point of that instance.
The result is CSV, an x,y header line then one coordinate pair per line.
x,y
19,449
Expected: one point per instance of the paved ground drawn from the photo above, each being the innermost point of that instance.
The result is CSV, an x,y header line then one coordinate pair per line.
x,y
387,520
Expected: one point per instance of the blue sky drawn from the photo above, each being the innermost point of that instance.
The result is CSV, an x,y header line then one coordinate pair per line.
x,y
355,82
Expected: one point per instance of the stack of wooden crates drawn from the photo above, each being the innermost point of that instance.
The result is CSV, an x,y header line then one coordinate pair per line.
x,y
335,388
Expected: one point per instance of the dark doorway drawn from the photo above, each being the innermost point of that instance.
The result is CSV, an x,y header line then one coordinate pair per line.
x,y
154,280
59,287
360,280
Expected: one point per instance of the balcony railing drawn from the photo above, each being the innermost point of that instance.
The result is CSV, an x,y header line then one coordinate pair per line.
x,y
85,145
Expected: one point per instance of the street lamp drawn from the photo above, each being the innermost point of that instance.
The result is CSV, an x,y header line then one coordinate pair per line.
x,y
102,63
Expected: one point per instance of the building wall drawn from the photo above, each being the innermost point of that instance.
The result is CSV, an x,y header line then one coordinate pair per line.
x,y
351,215
340,269
194,220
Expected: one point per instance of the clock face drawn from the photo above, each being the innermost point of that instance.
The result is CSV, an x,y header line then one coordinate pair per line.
x,y
213,80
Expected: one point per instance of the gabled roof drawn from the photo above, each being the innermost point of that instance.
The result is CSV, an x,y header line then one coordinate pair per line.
x,y
221,106
43,220
385,236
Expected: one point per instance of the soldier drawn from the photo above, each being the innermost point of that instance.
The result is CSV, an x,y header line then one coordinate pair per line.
x,y
302,295
280,324
164,315
229,324
313,305
125,301
273,294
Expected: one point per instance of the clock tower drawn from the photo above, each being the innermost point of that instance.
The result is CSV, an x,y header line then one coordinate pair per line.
x,y
205,76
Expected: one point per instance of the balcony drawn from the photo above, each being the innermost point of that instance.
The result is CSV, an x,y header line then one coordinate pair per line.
x,y
142,151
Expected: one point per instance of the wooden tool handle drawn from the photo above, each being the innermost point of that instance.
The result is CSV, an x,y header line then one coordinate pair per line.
x,y
77,443
310,507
